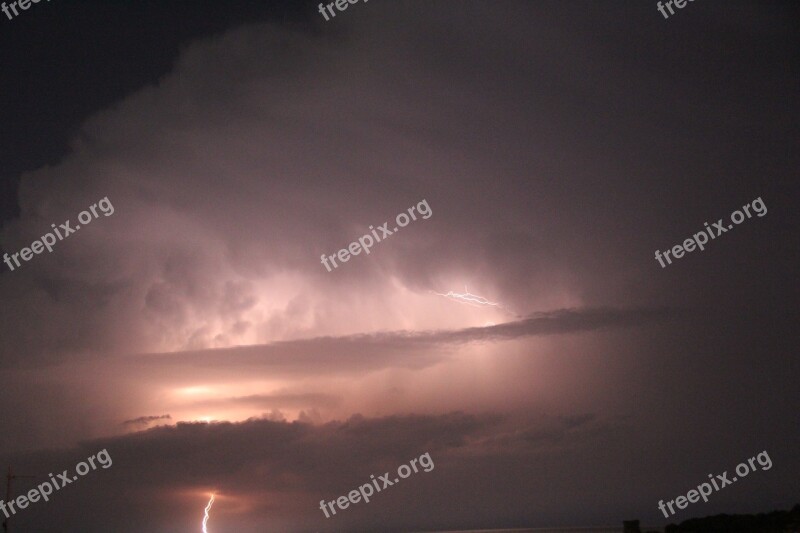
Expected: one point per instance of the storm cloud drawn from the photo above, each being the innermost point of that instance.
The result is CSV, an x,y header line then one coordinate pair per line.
x,y
558,146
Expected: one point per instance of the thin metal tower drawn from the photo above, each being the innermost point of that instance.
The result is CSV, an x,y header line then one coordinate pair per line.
x,y
9,477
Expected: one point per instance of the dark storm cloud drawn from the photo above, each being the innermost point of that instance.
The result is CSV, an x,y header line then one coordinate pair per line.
x,y
271,475
235,170
216,199
255,457
409,349
562,321
261,459
145,420
560,433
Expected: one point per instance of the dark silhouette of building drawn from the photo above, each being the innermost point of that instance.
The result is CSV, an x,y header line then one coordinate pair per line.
x,y
631,526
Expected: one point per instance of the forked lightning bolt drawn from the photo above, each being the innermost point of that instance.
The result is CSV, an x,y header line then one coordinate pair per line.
x,y
208,508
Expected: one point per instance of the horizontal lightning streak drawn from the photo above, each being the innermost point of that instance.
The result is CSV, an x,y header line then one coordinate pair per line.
x,y
468,298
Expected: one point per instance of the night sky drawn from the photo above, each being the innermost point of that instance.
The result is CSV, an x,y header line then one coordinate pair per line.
x,y
523,333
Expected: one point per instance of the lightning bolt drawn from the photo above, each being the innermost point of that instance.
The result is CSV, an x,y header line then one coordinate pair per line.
x,y
468,298
473,300
208,508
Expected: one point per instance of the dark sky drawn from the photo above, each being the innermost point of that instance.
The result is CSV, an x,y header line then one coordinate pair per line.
x,y
195,335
